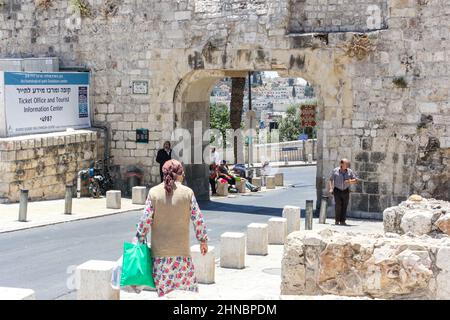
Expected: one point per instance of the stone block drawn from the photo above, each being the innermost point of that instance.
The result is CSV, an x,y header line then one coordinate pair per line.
x,y
257,182
93,281
139,195
277,228
222,189
257,239
113,199
204,265
240,185
232,250
270,182
292,215
7,293
279,179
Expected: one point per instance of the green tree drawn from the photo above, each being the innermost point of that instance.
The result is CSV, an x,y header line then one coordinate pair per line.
x,y
289,126
220,119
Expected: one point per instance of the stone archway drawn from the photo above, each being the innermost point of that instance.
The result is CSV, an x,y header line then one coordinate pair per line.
x,y
324,69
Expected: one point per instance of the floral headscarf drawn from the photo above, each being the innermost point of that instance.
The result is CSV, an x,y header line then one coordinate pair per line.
x,y
171,169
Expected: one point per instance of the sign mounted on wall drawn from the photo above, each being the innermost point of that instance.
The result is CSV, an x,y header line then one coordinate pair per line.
x,y
140,87
43,102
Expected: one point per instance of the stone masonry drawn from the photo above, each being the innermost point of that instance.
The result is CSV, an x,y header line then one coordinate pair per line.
x,y
45,163
348,264
387,110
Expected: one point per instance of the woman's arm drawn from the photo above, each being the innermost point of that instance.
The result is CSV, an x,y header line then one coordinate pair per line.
x,y
199,225
143,226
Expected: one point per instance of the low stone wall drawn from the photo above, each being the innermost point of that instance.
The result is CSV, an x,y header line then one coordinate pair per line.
x,y
388,267
45,163
418,216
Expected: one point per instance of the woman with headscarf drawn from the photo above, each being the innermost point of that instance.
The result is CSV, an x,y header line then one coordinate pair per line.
x,y
168,209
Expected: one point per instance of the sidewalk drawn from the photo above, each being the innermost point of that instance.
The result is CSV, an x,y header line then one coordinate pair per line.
x,y
42,213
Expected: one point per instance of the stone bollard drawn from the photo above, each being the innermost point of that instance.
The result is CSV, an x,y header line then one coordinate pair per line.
x,y
292,215
323,210
310,158
16,294
93,281
240,185
204,265
279,179
113,199
23,206
277,230
309,215
257,182
68,200
270,182
138,195
222,189
232,250
257,239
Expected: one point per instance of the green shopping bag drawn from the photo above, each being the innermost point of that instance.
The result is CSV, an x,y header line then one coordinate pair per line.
x,y
137,265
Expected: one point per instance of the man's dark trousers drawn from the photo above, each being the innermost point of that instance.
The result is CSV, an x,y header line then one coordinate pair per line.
x,y
341,199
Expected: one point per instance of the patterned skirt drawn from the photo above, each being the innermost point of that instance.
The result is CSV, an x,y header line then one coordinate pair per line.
x,y
174,273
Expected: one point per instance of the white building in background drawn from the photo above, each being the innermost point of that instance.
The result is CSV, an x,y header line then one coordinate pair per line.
x,y
269,100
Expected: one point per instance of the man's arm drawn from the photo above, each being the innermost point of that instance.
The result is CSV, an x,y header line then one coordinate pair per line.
x,y
159,156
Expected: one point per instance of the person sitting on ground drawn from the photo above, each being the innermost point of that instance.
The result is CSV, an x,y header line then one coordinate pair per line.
x,y
225,173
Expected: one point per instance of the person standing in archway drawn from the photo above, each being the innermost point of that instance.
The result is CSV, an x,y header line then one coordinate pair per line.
x,y
162,156
339,182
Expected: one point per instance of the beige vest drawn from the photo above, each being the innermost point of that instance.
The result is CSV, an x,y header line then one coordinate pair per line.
x,y
171,221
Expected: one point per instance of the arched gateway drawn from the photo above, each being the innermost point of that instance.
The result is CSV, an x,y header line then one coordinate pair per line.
x,y
380,70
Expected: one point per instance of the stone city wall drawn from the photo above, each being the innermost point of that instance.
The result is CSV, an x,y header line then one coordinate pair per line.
x,y
386,110
45,163
337,15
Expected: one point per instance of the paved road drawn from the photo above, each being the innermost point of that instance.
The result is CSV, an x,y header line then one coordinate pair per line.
x,y
40,258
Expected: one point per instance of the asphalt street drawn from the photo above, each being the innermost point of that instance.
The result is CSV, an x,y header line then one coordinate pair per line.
x,y
43,259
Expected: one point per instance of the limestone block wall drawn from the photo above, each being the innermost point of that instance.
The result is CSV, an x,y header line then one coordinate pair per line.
x,y
337,15
387,112
395,267
45,163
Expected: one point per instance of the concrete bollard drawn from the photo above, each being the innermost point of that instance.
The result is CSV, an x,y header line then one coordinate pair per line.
x,y
204,265
257,239
222,189
292,215
270,182
138,195
113,199
309,215
323,210
23,206
93,281
277,230
257,182
16,294
68,200
240,185
310,158
232,250
279,179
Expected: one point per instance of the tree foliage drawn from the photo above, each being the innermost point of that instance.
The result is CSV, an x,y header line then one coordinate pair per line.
x,y
219,118
290,126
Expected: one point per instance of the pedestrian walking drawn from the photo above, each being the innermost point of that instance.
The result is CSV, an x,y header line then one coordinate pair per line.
x,y
339,182
169,208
